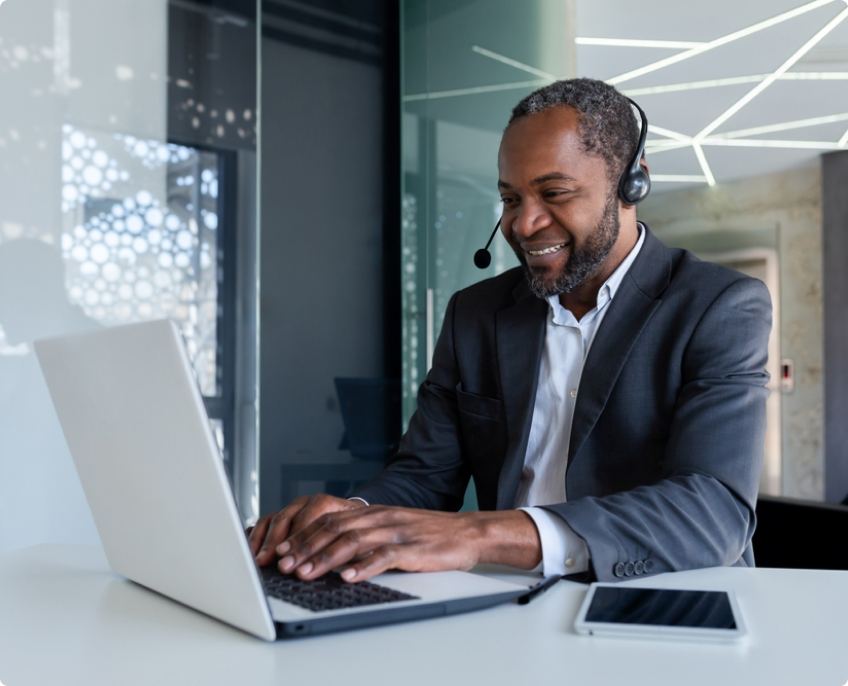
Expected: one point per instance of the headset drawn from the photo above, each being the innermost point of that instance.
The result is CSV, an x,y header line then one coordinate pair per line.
x,y
633,187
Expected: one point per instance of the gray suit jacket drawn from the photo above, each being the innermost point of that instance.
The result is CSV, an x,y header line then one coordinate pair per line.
x,y
667,437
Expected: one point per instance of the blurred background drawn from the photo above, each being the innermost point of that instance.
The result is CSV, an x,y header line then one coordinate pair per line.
x,y
302,186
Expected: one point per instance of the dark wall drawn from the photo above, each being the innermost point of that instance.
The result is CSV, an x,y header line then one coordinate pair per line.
x,y
321,292
835,284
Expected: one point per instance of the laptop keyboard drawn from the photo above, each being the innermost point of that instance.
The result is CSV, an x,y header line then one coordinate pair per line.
x,y
328,592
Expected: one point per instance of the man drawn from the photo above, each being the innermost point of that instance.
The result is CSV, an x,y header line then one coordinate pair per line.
x,y
611,388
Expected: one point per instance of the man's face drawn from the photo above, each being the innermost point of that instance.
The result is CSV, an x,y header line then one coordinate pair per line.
x,y
560,211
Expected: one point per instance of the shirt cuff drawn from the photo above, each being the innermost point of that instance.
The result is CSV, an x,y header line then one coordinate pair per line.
x,y
563,551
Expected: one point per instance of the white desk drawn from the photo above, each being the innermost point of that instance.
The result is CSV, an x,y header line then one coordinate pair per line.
x,y
65,619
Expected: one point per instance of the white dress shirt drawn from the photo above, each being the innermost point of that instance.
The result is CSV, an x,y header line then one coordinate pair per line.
x,y
567,343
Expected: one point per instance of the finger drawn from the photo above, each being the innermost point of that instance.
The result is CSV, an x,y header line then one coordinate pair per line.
x,y
384,558
318,506
324,552
277,530
332,523
256,534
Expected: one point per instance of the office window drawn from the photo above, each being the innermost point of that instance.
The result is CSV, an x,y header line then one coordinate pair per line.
x,y
134,254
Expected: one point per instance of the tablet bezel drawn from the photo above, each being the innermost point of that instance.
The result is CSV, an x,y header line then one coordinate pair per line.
x,y
682,633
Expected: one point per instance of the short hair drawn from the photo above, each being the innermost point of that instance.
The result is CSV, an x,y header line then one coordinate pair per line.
x,y
608,125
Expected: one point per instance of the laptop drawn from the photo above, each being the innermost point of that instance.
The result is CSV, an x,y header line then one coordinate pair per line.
x,y
151,469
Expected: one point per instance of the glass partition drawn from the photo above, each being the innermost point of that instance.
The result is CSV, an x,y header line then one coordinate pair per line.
x,y
465,65
118,205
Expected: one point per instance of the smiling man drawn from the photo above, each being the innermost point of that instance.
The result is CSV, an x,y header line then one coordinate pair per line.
x,y
608,397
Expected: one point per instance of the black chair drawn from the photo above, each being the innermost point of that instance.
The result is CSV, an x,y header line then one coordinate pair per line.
x,y
371,412
800,534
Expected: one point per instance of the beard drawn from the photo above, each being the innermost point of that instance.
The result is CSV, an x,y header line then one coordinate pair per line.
x,y
582,263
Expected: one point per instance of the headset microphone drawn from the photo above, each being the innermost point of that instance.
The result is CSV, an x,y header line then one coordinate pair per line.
x,y
633,187
483,258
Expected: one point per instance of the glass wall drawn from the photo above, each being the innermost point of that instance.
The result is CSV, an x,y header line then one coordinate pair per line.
x,y
465,65
111,212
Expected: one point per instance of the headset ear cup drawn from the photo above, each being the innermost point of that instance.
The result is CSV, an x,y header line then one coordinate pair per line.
x,y
634,186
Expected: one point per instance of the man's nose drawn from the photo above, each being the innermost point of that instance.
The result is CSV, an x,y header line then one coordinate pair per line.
x,y
531,218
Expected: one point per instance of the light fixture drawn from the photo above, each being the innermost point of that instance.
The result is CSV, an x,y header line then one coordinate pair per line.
x,y
678,178
759,88
513,63
637,43
736,81
475,90
785,126
724,40
702,160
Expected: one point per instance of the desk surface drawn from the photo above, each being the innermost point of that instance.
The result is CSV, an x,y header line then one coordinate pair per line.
x,y
66,619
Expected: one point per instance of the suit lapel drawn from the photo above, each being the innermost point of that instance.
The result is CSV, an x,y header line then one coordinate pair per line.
x,y
520,335
633,305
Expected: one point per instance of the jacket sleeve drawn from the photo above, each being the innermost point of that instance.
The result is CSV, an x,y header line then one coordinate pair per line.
x,y
701,512
428,471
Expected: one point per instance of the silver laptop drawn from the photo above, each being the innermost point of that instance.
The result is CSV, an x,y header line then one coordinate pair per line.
x,y
138,432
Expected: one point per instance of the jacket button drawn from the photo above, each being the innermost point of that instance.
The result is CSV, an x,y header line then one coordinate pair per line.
x,y
628,569
639,568
618,570
649,565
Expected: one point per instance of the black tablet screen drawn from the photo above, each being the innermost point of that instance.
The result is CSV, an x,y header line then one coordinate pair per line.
x,y
703,609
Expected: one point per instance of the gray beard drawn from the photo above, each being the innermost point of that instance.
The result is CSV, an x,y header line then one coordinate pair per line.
x,y
582,263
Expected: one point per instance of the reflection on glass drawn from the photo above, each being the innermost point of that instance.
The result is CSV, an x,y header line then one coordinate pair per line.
x,y
464,67
133,253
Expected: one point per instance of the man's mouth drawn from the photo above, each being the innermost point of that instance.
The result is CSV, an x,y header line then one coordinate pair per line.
x,y
547,251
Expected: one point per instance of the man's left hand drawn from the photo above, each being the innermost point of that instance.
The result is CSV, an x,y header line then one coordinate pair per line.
x,y
377,538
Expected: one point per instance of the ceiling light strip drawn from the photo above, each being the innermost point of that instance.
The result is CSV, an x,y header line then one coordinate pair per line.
x,y
735,81
786,126
765,143
724,40
513,63
759,88
694,85
668,133
476,90
678,178
705,167
637,43
843,141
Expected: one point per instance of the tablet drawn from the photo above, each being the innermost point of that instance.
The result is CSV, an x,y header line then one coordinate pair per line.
x,y
627,611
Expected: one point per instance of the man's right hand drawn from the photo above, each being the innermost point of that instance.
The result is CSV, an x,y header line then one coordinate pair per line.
x,y
273,529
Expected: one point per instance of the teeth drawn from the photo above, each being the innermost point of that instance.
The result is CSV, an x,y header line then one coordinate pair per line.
x,y
547,251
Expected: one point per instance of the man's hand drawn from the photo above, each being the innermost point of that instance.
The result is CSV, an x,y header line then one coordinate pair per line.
x,y
379,538
273,529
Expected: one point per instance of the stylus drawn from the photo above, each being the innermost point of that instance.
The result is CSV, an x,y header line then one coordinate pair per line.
x,y
538,589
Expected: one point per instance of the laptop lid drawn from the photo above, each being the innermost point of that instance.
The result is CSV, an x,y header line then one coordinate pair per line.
x,y
138,432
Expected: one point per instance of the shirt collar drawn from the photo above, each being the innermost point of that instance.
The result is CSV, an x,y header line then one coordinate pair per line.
x,y
609,288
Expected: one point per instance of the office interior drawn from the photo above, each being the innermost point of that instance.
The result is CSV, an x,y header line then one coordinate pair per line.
x,y
302,186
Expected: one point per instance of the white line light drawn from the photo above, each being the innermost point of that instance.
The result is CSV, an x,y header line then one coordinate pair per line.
x,y
786,126
737,80
678,178
514,63
435,95
664,146
724,40
668,133
694,85
636,43
760,143
705,167
760,87
843,141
